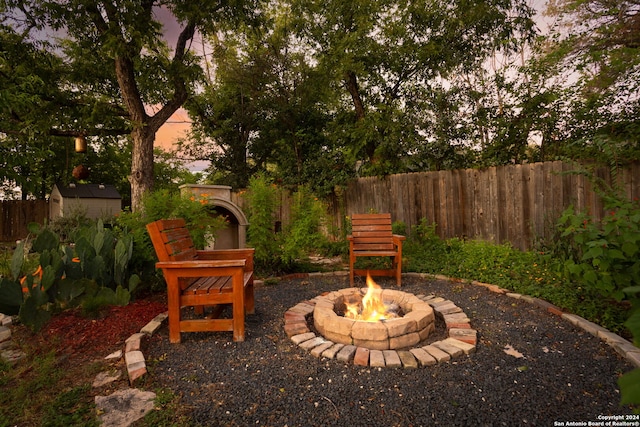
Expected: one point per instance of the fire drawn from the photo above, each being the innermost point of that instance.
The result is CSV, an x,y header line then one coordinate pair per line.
x,y
371,308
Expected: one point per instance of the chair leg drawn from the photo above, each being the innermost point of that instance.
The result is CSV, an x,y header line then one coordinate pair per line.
x,y
249,300
173,302
238,307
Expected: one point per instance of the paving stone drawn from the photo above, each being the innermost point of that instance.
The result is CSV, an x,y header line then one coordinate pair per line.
x,y
466,335
592,328
296,329
361,357
447,309
124,407
314,342
424,358
435,300
5,320
391,359
438,354
466,347
634,358
303,308
5,333
454,351
155,324
297,339
104,378
115,355
346,353
407,359
318,350
134,342
12,356
332,351
376,359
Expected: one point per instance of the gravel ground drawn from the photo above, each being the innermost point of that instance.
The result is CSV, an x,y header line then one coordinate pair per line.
x,y
565,374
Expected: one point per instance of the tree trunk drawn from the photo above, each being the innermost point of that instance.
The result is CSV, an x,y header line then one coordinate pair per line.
x,y
354,91
141,177
351,82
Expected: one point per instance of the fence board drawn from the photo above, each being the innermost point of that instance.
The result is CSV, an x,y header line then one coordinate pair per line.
x,y
15,216
516,203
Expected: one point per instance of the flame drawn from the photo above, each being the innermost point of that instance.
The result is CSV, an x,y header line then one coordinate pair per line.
x,y
371,308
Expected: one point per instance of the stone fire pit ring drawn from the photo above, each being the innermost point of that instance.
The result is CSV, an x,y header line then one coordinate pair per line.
x,y
461,338
408,330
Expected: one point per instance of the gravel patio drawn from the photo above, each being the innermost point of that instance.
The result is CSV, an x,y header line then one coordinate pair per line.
x,y
531,367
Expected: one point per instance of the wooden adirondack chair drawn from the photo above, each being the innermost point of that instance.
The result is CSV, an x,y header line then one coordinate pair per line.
x,y
371,236
202,279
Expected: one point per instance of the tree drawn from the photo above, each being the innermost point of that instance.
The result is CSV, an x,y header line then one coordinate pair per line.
x,y
266,110
597,43
118,65
386,56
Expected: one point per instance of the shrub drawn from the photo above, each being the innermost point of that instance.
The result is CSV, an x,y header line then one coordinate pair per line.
x,y
262,196
286,248
603,255
303,235
92,273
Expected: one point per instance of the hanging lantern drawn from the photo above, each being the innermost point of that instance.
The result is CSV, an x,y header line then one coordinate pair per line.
x,y
81,144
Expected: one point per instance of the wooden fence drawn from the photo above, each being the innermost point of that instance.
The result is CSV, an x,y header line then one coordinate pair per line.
x,y
516,203
15,216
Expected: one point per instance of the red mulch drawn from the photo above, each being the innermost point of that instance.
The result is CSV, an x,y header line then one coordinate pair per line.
x,y
80,336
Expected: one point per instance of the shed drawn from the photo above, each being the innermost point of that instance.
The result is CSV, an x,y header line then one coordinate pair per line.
x,y
94,200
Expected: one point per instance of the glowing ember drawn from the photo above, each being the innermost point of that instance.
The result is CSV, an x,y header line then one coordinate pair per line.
x,y
371,308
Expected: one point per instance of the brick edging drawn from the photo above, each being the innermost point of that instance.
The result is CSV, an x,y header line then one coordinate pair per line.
x,y
622,346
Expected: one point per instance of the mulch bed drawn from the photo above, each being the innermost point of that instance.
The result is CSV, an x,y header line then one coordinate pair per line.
x,y
82,337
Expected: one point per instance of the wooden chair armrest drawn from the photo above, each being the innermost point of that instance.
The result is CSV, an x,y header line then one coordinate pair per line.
x,y
245,254
201,264
223,254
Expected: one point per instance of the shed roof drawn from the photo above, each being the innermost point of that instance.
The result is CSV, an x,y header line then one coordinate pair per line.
x,y
89,191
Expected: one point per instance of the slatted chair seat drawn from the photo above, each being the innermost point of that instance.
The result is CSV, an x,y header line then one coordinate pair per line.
x,y
372,236
202,279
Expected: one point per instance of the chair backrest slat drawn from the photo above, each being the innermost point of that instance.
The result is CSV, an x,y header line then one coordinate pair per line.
x,y
171,240
372,231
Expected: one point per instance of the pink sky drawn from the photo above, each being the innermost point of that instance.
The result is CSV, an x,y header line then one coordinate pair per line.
x,y
175,128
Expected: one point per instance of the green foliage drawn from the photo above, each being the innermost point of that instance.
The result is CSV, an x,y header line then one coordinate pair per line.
x,y
65,226
71,408
603,255
630,382
36,391
93,273
263,200
285,249
303,235
531,273
199,217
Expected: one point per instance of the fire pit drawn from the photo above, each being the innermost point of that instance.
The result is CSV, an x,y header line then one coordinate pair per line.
x,y
380,327
377,320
